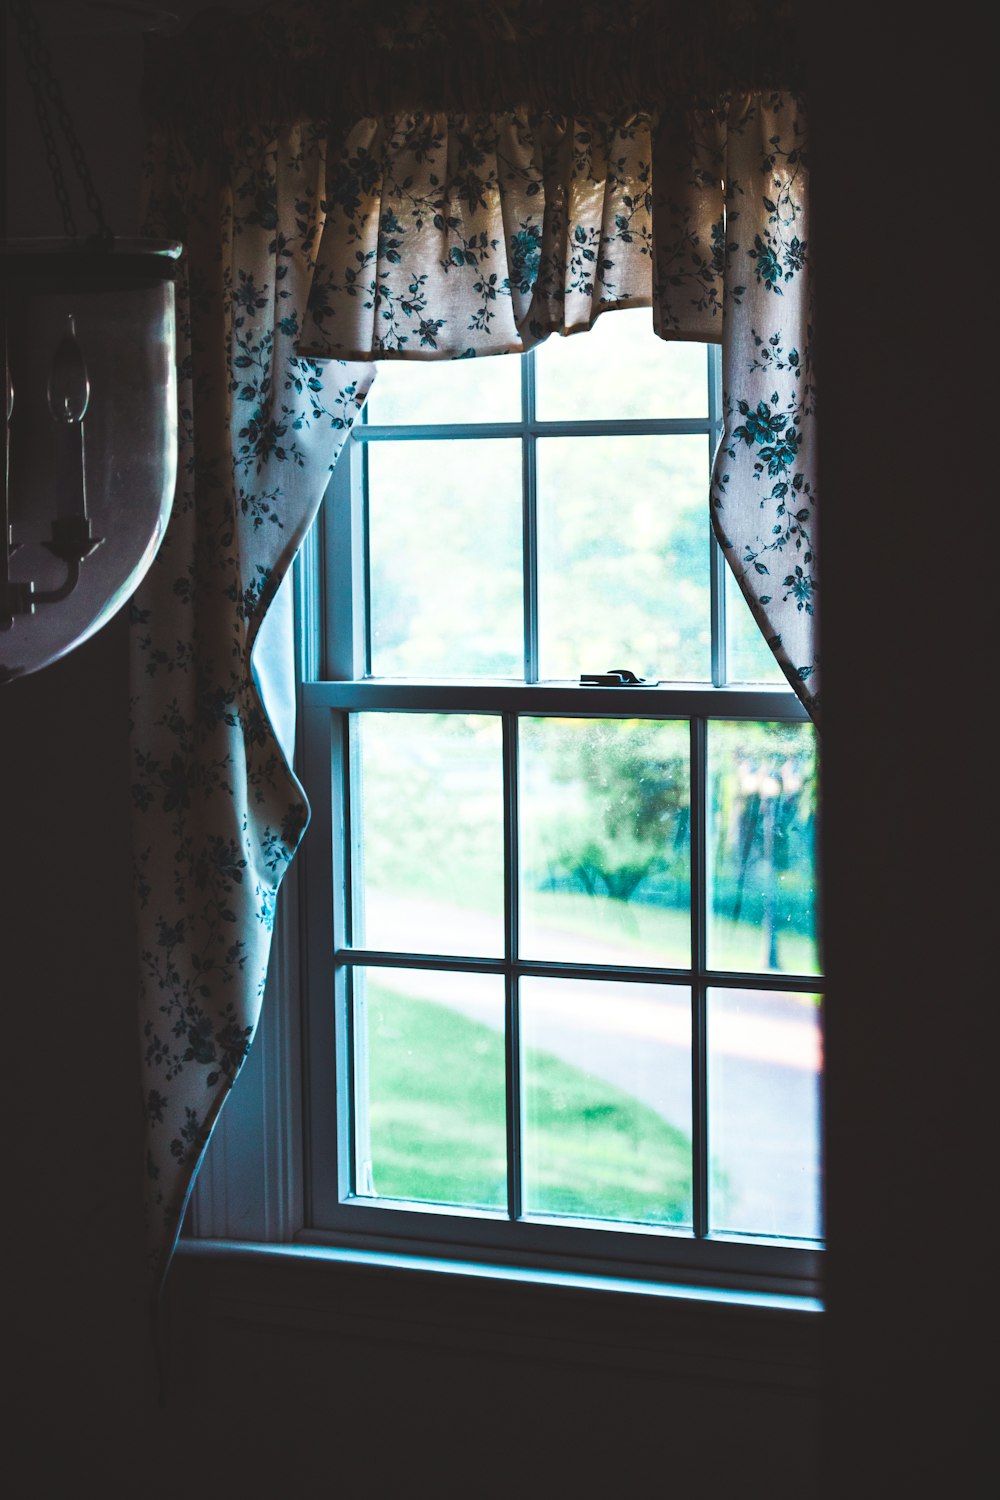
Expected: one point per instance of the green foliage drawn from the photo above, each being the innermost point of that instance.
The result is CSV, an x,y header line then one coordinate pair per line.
x,y
763,779
610,819
605,829
623,556
625,822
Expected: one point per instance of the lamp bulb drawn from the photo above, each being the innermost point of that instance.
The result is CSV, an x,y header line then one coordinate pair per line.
x,y
69,383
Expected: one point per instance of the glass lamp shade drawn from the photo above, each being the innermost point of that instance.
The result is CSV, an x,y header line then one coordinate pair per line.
x,y
91,436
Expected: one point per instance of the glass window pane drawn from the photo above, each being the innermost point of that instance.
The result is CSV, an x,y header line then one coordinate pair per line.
x,y
762,854
444,526
430,1105
623,541
619,368
764,1067
428,862
748,656
607,1087
604,817
420,392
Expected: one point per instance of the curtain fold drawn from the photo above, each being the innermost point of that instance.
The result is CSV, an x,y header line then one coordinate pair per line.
x,y
450,236
764,476
217,810
435,184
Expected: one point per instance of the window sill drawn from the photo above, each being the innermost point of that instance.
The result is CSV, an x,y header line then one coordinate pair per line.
x,y
696,1333
438,1266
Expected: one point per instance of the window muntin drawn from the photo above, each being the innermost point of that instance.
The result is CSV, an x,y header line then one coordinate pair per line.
x,y
648,951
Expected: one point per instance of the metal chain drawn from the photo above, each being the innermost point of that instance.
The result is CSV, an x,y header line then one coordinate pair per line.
x,y
38,68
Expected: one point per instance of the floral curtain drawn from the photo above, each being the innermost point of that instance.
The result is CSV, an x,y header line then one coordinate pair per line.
x,y
438,185
217,812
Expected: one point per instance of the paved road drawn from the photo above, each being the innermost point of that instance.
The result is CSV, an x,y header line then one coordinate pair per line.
x,y
764,1060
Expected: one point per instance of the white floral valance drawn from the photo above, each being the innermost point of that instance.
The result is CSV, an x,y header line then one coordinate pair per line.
x,y
456,235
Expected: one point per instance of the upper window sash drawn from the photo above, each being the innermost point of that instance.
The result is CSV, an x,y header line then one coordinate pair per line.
x,y
340,649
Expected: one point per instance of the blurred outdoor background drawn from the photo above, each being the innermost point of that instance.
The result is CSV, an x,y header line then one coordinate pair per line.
x,y
604,816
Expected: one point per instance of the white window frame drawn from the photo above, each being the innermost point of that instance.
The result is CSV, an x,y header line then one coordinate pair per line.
x,y
276,1172
331,608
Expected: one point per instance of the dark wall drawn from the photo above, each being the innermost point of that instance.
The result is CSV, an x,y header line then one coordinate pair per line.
x,y
74,1320
909,619
908,782
77,1348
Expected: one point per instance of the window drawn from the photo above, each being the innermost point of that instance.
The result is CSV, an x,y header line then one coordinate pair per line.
x,y
563,975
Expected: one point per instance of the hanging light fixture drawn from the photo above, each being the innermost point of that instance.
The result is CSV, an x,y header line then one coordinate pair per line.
x,y
90,437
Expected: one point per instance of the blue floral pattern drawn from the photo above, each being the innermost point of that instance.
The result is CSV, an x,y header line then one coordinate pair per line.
x,y
764,479
217,812
448,235
310,253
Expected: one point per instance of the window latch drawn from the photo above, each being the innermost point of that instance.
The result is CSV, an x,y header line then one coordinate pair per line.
x,y
615,677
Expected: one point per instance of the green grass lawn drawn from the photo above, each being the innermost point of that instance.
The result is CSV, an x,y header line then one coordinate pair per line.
x,y
437,1124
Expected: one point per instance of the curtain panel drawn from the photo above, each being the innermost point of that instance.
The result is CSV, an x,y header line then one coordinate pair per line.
x,y
217,810
432,185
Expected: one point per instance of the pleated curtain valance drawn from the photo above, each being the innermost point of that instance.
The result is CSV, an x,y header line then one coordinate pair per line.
x,y
421,182
461,235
